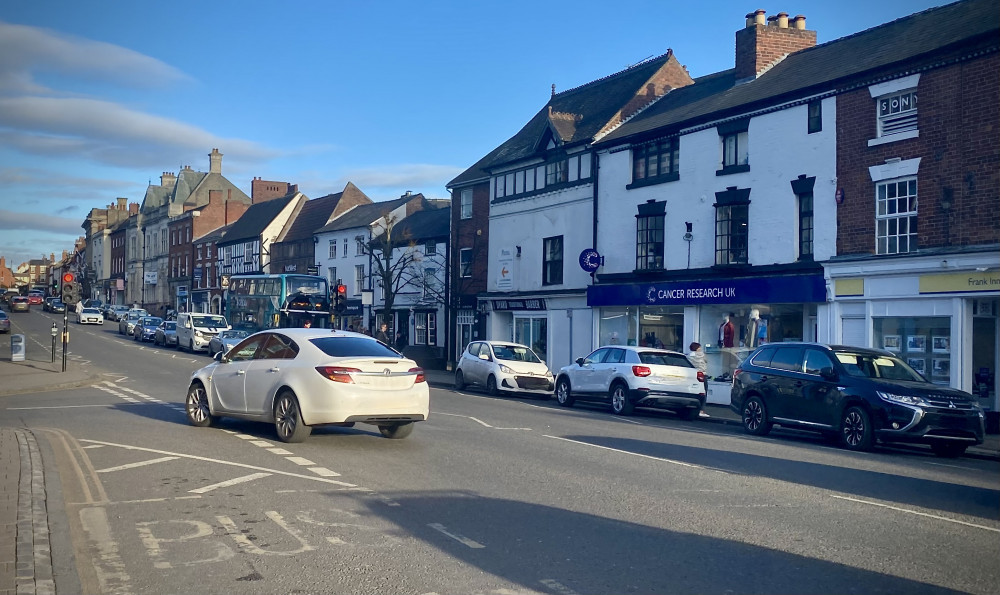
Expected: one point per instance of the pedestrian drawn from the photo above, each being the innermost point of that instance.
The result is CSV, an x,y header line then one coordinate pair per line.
x,y
383,335
697,357
308,323
400,342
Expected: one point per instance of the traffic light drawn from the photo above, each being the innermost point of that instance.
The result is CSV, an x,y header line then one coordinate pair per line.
x,y
340,299
70,289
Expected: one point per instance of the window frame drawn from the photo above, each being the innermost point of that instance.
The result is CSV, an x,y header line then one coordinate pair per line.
x,y
890,214
807,225
724,242
465,265
902,121
552,263
664,152
650,253
465,201
814,116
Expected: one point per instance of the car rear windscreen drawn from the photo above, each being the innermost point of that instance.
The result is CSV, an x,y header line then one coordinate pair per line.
x,y
662,358
352,347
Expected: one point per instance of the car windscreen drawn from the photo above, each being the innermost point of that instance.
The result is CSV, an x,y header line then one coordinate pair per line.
x,y
234,335
352,346
863,365
91,311
664,358
150,321
208,321
513,353
170,326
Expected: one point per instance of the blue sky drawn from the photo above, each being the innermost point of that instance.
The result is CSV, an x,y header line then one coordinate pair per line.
x,y
97,99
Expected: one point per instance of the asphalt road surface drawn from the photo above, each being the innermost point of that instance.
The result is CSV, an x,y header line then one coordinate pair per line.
x,y
489,496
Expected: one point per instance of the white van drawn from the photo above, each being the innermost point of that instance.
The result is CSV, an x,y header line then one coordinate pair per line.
x,y
195,330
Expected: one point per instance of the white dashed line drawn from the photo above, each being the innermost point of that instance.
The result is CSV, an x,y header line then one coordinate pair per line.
x,y
324,472
300,461
230,482
139,464
463,540
278,451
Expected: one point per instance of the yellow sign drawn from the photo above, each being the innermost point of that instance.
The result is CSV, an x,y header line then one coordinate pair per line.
x,y
960,282
849,287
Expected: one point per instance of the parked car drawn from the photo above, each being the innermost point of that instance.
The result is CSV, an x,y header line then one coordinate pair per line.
x,y
195,330
116,312
299,378
855,394
627,377
166,334
47,302
56,306
94,304
89,316
500,366
4,322
36,298
145,329
20,303
225,341
126,323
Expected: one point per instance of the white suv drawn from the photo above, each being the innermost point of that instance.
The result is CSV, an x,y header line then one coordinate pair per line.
x,y
629,377
195,331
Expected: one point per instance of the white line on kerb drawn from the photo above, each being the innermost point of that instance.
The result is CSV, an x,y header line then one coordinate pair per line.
x,y
229,482
463,540
635,454
139,464
930,516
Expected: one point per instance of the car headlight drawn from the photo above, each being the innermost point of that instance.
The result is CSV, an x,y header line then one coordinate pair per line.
x,y
505,369
198,334
548,374
903,399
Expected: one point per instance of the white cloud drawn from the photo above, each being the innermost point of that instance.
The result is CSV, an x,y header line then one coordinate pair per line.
x,y
46,222
377,181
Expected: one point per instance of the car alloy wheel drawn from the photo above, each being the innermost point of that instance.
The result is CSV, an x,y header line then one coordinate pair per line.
x,y
755,417
459,380
856,429
563,394
491,386
198,412
397,431
288,419
620,404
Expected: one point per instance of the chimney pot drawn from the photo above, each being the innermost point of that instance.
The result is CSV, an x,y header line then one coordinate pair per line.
x,y
749,18
800,22
783,20
759,17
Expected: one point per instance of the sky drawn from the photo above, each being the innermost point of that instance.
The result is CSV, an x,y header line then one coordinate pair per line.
x,y
99,97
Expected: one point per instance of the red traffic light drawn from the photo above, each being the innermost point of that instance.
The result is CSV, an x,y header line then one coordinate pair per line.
x,y
342,289
68,277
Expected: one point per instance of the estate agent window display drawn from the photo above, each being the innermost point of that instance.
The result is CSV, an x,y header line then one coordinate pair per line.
x,y
923,342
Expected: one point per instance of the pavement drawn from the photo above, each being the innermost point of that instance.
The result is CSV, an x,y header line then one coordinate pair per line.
x,y
25,556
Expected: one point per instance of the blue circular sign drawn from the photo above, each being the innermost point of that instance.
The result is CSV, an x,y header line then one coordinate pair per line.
x,y
590,260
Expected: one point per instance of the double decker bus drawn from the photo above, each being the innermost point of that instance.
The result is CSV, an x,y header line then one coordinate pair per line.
x,y
258,302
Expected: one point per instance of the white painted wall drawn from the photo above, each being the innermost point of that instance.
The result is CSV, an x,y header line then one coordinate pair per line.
x,y
780,149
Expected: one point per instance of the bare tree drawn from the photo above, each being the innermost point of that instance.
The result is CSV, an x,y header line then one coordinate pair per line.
x,y
391,270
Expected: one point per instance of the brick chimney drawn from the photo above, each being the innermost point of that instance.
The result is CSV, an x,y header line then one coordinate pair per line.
x,y
215,162
133,208
766,41
122,203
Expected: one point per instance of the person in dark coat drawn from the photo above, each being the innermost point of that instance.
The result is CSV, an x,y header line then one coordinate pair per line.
x,y
383,335
400,342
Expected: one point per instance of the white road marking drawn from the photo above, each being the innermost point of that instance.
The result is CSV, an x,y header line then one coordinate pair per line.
x,y
229,482
94,446
260,443
246,437
463,540
558,587
67,406
221,462
109,566
324,472
300,461
139,464
924,514
479,421
635,454
279,451
952,466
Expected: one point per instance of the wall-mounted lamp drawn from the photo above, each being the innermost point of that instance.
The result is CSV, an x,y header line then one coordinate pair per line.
x,y
518,251
688,236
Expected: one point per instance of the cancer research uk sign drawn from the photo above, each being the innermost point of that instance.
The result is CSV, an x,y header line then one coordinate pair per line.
x,y
783,289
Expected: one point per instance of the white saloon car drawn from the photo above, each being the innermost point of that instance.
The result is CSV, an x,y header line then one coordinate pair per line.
x,y
627,377
298,378
500,366
89,316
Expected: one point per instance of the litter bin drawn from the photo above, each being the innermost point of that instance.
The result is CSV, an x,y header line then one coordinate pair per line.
x,y
17,348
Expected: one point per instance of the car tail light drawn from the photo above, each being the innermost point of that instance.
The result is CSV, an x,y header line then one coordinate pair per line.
x,y
736,373
420,375
701,376
641,371
337,373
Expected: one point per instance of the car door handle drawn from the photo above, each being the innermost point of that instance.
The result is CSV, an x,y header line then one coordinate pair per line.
x,y
240,372
275,369
763,378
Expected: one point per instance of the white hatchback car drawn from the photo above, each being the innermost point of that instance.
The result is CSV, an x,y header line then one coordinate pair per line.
x,y
628,377
297,378
89,316
502,366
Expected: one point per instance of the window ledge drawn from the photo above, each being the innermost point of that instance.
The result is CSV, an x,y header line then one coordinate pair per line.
x,y
653,181
893,138
733,169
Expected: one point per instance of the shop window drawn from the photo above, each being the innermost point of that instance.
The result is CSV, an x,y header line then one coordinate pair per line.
x,y
618,326
533,332
730,332
923,343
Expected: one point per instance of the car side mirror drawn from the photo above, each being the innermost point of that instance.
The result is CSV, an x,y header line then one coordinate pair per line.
x,y
484,356
218,356
828,374
579,361
187,325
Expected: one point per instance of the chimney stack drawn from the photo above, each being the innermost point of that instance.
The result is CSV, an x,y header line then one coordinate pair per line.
x,y
122,203
168,180
133,208
765,41
215,162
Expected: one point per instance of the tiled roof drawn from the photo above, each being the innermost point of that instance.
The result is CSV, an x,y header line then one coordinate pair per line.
x,y
257,218
921,36
425,225
365,215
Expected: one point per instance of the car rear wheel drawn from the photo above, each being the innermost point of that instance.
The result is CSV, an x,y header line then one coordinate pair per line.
x,y
620,404
491,386
288,419
755,417
949,450
563,394
198,412
856,429
459,380
397,431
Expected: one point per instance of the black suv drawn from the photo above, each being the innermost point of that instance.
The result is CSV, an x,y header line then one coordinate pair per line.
x,y
856,394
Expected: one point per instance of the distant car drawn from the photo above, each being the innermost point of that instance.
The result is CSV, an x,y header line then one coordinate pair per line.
x,y
299,378
855,394
46,304
501,366
57,306
195,330
126,323
627,377
20,304
94,304
4,322
145,328
116,312
89,316
35,298
225,341
166,334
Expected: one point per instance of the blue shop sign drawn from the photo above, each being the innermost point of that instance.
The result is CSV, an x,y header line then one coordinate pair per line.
x,y
779,290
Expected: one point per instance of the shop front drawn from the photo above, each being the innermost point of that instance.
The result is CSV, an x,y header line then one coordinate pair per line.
x,y
729,317
558,327
944,323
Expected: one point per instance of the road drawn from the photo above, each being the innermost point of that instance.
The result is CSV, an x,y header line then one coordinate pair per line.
x,y
489,496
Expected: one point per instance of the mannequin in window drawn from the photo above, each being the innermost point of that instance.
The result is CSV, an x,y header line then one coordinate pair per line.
x,y
727,335
752,340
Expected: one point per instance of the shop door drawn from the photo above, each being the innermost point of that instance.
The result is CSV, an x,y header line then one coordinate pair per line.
x,y
984,353
532,332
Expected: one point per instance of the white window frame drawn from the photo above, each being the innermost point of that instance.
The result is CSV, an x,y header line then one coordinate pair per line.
x,y
466,202
463,271
887,91
332,249
359,278
891,222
